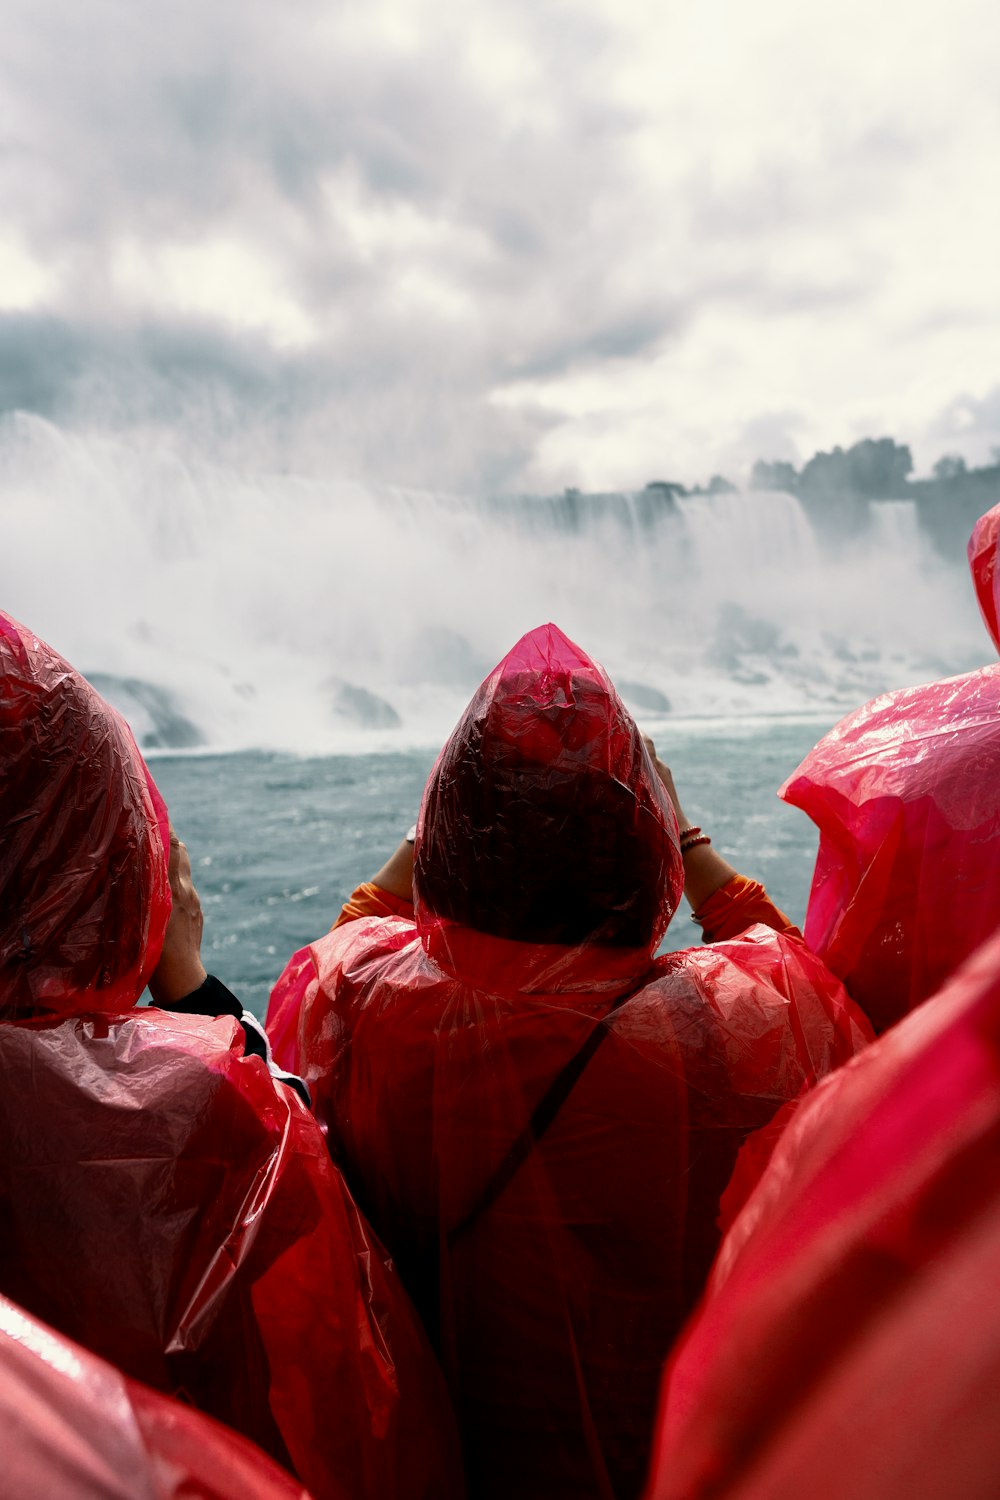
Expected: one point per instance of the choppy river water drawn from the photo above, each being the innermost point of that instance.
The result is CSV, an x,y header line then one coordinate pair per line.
x,y
277,842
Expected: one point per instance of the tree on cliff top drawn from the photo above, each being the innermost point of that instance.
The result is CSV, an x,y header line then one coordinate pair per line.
x,y
774,476
950,466
875,467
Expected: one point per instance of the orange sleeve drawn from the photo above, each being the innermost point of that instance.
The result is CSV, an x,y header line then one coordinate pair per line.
x,y
736,906
370,900
729,911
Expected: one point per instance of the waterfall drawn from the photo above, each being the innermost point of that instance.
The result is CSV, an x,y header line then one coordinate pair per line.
x,y
241,608
895,525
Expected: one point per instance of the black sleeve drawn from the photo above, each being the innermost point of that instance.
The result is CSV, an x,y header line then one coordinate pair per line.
x,y
211,998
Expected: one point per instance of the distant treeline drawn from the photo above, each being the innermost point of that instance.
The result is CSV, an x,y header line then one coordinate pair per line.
x,y
836,487
875,468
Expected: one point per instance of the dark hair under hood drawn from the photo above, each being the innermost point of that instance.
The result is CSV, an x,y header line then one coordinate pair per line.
x,y
544,820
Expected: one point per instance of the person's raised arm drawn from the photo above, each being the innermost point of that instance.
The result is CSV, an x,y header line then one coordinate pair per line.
x,y
724,902
389,893
396,875
180,981
705,870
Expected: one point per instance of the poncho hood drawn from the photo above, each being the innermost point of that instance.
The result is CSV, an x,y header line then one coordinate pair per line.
x,y
544,822
983,545
84,897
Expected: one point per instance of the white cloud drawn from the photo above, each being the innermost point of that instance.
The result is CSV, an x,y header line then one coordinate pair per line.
x,y
219,278
611,233
25,282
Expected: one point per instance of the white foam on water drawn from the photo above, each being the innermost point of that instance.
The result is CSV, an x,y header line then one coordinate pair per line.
x,y
252,596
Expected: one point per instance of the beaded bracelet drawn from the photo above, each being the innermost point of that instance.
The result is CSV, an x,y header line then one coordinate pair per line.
x,y
693,843
686,833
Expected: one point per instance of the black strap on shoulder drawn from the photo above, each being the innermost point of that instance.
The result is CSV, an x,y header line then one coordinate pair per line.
x,y
544,1113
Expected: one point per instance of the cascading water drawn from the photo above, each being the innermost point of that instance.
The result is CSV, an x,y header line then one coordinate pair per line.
x,y
278,610
895,525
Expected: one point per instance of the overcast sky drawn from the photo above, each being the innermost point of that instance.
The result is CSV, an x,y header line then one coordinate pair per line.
x,y
482,244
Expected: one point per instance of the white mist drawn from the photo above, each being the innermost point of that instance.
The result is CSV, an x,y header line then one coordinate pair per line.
x,y
253,597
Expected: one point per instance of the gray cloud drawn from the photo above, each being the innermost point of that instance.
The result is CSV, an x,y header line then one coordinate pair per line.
x,y
139,117
772,436
863,165
597,340
168,128
361,410
969,424
59,369
171,127
514,199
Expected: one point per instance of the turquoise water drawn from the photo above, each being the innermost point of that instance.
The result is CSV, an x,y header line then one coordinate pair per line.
x,y
278,842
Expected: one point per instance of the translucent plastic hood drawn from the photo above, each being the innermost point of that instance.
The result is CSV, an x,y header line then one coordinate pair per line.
x,y
84,898
543,821
983,545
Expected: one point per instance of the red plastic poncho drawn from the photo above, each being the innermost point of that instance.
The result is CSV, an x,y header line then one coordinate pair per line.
x,y
983,545
553,1260
849,1344
906,796
84,898
165,1204
162,1200
77,1429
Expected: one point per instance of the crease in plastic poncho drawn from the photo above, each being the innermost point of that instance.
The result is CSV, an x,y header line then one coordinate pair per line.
x,y
849,1343
75,1428
538,1116
906,796
162,1200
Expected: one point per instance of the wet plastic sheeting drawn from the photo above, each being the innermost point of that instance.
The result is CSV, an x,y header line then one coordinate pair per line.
x,y
75,1428
983,546
849,1344
163,1202
553,1261
84,899
544,820
906,796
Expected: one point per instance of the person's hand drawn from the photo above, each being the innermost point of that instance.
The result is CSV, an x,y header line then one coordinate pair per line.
x,y
180,969
705,871
665,775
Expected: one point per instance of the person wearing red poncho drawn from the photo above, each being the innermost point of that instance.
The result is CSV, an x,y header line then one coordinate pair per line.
x,y
75,1428
905,793
848,1347
164,1200
538,1115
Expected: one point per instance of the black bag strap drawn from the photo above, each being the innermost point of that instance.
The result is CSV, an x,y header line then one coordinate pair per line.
x,y
544,1113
